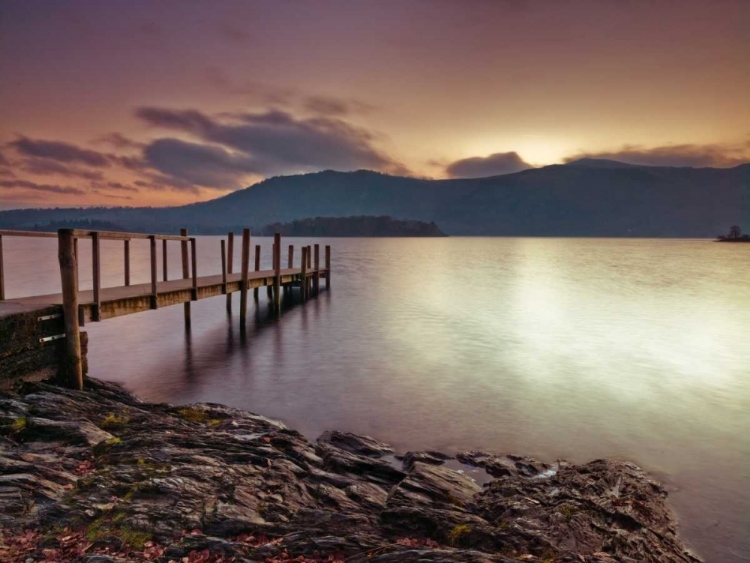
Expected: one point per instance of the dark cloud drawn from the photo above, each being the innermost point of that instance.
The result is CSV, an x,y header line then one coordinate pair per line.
x,y
117,186
719,155
493,165
47,167
63,152
329,106
110,196
203,165
26,185
119,141
266,143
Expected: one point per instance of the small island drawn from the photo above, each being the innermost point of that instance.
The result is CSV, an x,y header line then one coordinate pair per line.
x,y
735,235
357,226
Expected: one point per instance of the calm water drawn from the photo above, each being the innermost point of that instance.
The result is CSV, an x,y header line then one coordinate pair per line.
x,y
574,348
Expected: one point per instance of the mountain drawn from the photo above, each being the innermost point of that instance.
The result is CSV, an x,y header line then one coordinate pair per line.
x,y
588,197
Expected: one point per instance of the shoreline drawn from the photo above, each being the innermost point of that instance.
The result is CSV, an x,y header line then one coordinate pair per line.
x,y
101,476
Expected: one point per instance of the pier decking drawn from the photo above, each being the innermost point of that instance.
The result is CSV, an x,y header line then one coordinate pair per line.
x,y
76,307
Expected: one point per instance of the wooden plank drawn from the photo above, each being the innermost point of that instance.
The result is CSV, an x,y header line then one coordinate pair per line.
x,y
230,265
164,259
244,275
194,261
257,269
223,266
127,261
185,271
96,274
71,366
38,234
328,267
154,291
114,235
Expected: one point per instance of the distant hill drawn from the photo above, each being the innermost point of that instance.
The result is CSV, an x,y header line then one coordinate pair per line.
x,y
358,226
583,198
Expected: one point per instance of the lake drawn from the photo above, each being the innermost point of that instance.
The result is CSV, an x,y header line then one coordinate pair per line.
x,y
556,348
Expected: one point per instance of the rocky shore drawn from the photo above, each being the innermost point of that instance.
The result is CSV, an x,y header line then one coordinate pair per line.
x,y
100,476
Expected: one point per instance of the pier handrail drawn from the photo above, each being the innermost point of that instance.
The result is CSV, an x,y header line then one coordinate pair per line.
x,y
84,233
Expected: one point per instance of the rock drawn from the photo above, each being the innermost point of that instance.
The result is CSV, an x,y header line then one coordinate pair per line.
x,y
433,458
120,474
430,485
352,443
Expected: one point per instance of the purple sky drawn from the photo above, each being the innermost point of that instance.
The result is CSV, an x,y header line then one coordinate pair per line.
x,y
155,103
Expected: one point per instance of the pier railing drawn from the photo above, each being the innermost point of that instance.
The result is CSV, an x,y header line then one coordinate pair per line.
x,y
98,305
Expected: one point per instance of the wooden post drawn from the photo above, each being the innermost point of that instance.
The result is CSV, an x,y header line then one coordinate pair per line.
x,y
223,266
303,279
328,267
127,261
309,268
269,288
277,271
230,265
257,269
243,276
164,259
71,367
96,276
194,260
316,275
154,291
75,253
185,273
290,261
2,271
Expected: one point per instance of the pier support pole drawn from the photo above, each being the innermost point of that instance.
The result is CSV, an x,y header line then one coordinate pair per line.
x,y
257,269
316,274
127,261
96,266
230,266
164,274
185,273
277,272
194,256
154,291
71,368
328,267
2,272
243,275
224,267
303,279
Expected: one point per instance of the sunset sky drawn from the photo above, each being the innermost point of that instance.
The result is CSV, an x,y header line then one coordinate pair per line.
x,y
166,102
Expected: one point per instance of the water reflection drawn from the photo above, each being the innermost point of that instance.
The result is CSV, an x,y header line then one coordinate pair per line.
x,y
573,348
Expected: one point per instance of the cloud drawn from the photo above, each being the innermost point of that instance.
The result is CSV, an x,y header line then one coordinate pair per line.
x,y
47,167
264,143
204,165
56,150
493,165
330,106
26,185
119,141
718,155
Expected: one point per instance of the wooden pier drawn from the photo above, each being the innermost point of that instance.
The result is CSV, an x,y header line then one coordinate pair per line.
x,y
101,303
